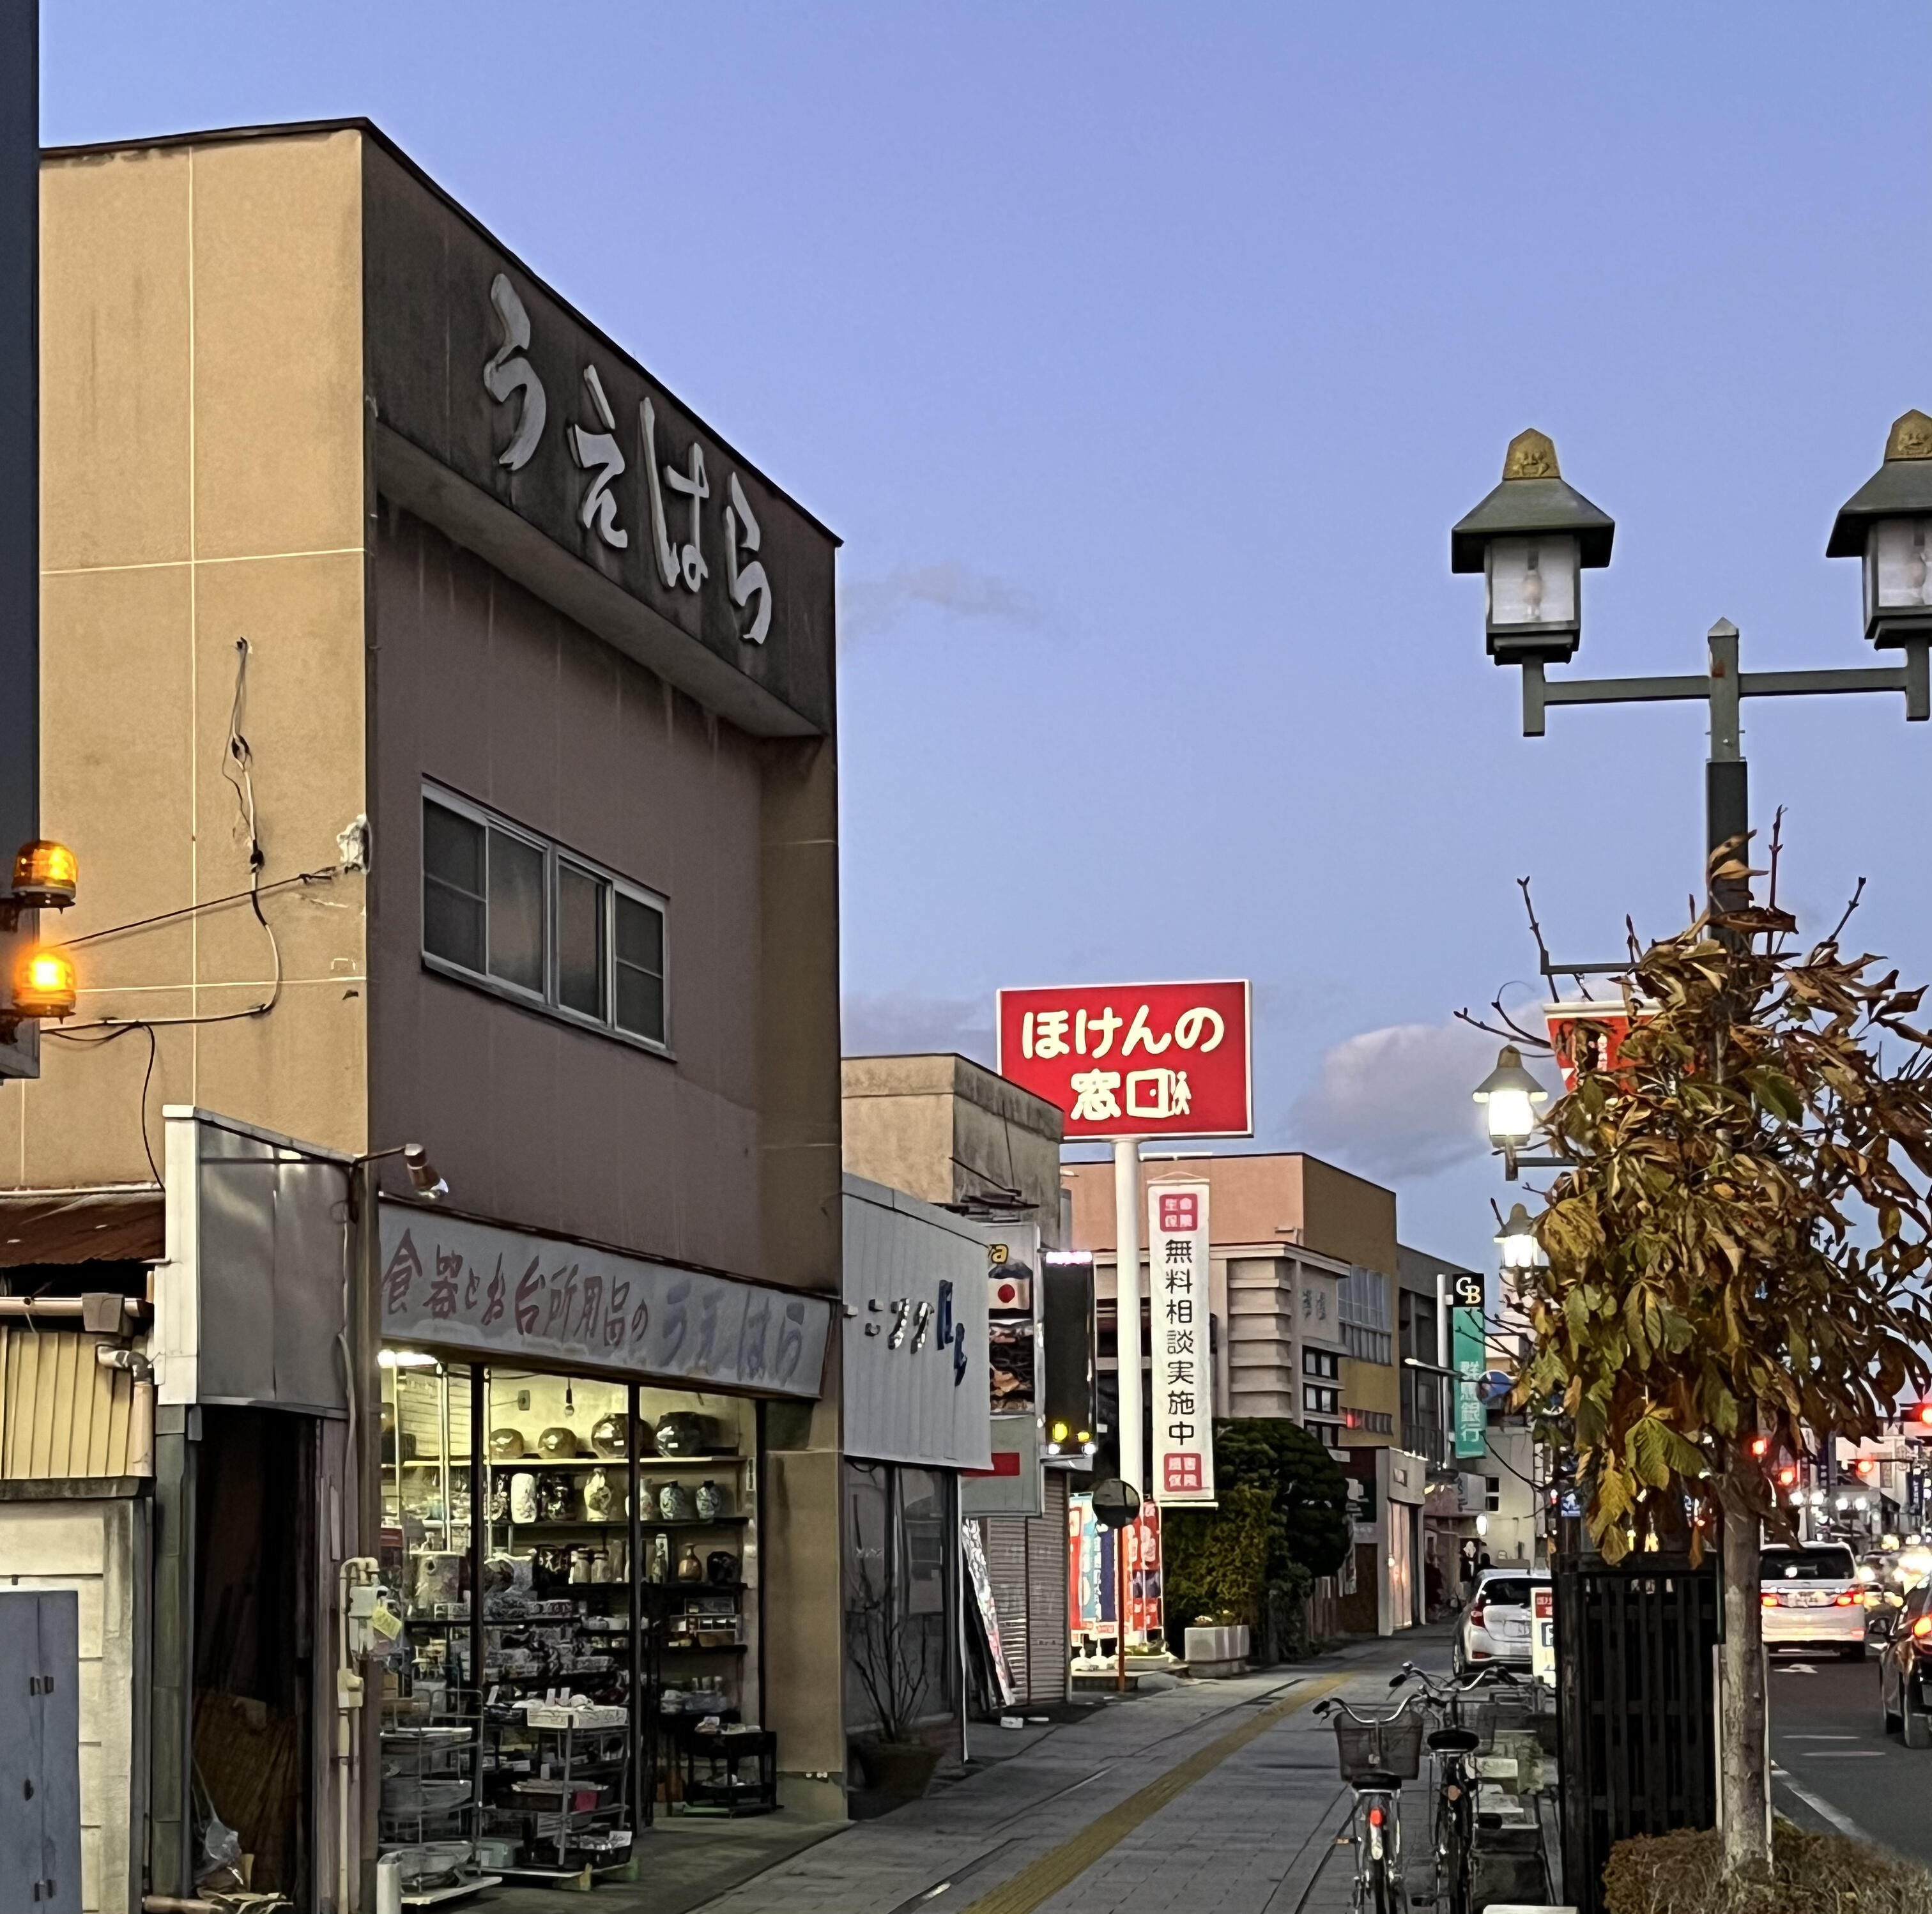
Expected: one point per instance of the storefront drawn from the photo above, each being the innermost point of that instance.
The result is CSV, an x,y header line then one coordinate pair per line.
x,y
915,1392
580,1437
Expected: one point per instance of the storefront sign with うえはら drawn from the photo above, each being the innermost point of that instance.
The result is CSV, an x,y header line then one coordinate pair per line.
x,y
502,1295
1134,1059
1182,1383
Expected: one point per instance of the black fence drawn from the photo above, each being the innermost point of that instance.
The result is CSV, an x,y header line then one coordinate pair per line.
x,y
1635,1682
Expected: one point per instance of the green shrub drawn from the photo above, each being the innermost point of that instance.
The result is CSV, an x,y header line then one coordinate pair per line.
x,y
1213,1560
1682,1874
1309,1523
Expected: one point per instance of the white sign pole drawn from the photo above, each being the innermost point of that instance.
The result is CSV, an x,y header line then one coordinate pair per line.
x,y
1127,1306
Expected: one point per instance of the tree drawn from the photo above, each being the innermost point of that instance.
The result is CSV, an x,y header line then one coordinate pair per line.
x,y
1736,1254
1310,1517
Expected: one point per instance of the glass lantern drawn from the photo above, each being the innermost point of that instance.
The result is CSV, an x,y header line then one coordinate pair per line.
x,y
1898,579
1532,589
1518,1239
1508,1095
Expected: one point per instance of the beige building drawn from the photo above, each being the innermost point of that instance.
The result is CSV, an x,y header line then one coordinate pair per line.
x,y
444,719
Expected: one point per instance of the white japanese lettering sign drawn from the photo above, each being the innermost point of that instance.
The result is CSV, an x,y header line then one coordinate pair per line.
x,y
1134,1059
502,1295
1181,1391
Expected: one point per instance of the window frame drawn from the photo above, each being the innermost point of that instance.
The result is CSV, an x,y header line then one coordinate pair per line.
x,y
547,1003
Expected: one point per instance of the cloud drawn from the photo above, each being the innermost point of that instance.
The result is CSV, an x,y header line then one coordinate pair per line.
x,y
1395,1102
899,1022
870,605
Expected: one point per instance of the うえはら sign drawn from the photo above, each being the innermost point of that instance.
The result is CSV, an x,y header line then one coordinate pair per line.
x,y
1134,1059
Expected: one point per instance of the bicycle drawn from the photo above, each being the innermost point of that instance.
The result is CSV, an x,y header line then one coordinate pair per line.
x,y
1454,1746
1377,1754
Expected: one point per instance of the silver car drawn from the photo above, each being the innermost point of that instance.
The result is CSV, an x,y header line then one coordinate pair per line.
x,y
1495,1626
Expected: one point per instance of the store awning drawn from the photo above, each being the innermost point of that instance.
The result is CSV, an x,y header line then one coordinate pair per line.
x,y
111,1223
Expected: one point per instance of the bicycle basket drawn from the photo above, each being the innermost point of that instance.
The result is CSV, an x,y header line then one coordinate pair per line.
x,y
1393,1746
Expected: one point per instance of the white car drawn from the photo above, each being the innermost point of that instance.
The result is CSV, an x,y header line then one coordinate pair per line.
x,y
1495,1626
1813,1599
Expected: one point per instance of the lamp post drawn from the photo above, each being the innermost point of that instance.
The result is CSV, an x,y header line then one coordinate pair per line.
x,y
1533,536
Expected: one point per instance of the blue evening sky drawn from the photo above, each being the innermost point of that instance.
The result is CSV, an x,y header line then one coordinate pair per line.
x,y
1143,357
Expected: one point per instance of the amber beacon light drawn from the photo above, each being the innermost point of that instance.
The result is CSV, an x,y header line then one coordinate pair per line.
x,y
46,875
43,984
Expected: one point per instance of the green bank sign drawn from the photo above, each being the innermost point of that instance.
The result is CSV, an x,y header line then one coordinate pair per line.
x,y
1467,1352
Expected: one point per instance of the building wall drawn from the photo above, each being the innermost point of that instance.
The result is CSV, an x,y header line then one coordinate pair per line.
x,y
956,1130
201,474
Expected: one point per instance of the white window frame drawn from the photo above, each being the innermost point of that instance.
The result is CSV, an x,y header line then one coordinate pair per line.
x,y
548,1002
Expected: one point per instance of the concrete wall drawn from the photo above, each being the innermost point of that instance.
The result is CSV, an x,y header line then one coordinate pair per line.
x,y
202,473
948,1129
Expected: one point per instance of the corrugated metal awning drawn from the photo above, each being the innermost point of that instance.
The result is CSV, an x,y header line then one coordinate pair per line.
x,y
111,1223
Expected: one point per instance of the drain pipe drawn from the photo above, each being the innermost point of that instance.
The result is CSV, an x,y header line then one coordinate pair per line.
x,y
355,1603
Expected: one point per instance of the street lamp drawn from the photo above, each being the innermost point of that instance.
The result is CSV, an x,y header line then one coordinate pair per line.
x,y
1533,536
1508,1095
1518,1238
1887,524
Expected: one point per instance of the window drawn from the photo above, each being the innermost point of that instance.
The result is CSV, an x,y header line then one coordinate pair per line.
x,y
1372,1422
1492,1493
1318,1401
502,906
1362,1306
1321,1362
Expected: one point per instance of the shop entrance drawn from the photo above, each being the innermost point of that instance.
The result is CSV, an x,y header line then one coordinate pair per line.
x,y
254,1649
577,1564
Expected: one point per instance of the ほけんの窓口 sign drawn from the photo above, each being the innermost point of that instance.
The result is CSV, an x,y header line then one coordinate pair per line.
x,y
1134,1059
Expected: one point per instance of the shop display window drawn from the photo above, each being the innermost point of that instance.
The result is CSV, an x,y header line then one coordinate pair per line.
x,y
576,1506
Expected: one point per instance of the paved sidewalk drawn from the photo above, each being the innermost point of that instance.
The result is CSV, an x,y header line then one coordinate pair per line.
x,y
1219,1797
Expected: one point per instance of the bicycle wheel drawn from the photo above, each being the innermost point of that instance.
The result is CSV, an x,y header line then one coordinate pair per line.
x,y
1379,1886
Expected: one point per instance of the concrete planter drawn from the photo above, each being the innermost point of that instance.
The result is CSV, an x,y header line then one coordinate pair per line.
x,y
1213,1652
902,1770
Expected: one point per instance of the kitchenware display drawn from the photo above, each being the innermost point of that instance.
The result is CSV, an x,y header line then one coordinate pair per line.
x,y
556,1498
689,1568
522,1497
607,1436
600,1565
439,1581
580,1566
557,1441
683,1434
660,1558
507,1445
676,1504
721,1568
497,1504
598,1496
712,1501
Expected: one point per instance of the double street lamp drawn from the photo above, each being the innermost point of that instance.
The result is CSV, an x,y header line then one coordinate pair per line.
x,y
1534,537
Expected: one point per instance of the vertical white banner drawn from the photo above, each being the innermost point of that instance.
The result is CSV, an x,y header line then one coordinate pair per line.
x,y
1181,1387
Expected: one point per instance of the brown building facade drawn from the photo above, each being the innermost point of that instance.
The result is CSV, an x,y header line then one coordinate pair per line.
x,y
444,720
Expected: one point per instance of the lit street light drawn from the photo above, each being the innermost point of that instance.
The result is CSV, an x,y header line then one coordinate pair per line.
x,y
1518,1238
1508,1095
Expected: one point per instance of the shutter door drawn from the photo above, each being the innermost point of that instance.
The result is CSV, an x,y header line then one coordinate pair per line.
x,y
1006,1563
1046,1582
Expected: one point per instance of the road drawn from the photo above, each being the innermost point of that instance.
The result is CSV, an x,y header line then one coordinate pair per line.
x,y
1833,1764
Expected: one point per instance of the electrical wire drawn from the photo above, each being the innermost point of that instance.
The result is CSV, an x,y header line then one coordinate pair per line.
x,y
114,1029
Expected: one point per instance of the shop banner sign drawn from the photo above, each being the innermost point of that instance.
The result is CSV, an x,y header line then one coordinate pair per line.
x,y
502,1295
1543,1632
1134,1059
1012,1324
1014,1483
1091,1583
1183,1382
1472,1426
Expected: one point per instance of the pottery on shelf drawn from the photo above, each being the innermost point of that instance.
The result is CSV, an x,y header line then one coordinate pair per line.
x,y
675,1503
712,1501
507,1444
607,1436
721,1568
555,1497
557,1441
522,1497
598,1496
689,1568
660,1558
683,1434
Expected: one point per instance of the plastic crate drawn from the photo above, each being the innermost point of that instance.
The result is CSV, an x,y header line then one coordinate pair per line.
x,y
1390,1746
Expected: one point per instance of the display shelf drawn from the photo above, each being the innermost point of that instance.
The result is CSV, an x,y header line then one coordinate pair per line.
x,y
623,1522
646,1464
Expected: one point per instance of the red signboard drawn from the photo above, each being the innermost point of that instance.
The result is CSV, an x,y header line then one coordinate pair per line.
x,y
1134,1059
1586,1037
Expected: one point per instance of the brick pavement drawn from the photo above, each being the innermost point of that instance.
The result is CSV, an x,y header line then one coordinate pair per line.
x,y
1251,1836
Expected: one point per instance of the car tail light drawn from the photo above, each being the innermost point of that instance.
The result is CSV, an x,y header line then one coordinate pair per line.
x,y
1769,1601
1847,1600
1922,1628
1476,1615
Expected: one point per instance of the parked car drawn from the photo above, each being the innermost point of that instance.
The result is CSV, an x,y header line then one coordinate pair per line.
x,y
1496,1625
1905,1669
1813,1600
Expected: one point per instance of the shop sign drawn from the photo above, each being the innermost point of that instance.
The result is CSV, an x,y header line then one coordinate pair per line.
x,y
915,1342
1182,1373
1134,1059
1012,1329
503,1295
1012,1483
1543,1632
1586,1037
1467,1352
986,1610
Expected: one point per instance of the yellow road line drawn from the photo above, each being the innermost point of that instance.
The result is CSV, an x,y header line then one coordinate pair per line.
x,y
1040,1880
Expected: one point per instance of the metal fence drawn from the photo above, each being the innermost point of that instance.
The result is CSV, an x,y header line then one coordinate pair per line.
x,y
1635,1706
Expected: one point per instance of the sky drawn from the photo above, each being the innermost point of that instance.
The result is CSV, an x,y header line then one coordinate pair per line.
x,y
1143,356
